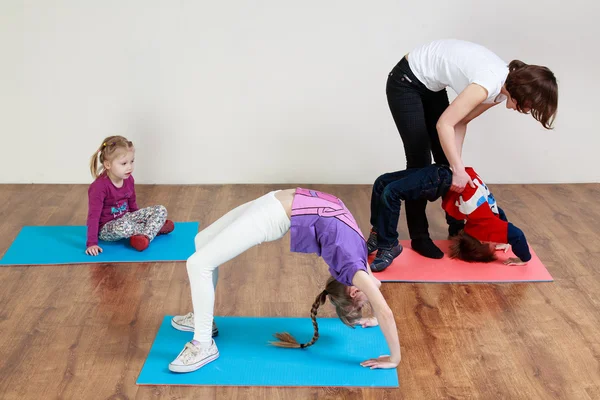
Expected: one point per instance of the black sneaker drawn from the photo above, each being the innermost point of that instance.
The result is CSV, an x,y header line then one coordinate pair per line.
x,y
384,258
372,242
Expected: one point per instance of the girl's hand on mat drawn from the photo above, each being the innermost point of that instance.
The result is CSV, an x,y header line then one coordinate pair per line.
x,y
460,179
503,246
367,322
380,362
514,261
93,250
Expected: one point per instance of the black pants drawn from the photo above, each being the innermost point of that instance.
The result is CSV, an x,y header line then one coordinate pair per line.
x,y
416,111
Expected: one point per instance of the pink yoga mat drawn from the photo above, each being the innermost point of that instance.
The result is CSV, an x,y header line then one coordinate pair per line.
x,y
412,267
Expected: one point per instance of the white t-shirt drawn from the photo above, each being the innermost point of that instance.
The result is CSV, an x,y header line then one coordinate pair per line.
x,y
456,63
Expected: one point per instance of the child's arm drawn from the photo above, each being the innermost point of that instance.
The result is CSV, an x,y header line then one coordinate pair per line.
x,y
366,322
385,317
514,261
518,242
132,201
96,198
502,215
377,281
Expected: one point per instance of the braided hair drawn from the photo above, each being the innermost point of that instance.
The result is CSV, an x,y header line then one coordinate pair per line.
x,y
344,306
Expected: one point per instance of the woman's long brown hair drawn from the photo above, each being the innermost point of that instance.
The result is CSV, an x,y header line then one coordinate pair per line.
x,y
533,87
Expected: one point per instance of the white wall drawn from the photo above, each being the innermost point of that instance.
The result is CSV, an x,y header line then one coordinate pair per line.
x,y
273,91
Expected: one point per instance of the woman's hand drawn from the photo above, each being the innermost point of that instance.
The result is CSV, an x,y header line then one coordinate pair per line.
x,y
93,250
514,261
382,362
367,322
460,179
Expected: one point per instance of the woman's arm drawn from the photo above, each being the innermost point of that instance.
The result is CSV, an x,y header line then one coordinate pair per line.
x,y
465,105
460,130
384,315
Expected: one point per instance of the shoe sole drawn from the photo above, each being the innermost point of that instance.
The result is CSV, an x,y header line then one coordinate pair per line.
x,y
184,328
191,368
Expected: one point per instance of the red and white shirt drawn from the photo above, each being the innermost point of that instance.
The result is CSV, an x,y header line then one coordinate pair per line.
x,y
478,207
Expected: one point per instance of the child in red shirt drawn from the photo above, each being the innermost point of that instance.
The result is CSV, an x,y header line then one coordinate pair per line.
x,y
485,223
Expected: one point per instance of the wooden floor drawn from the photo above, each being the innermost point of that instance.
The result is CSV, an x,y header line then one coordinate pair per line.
x,y
84,331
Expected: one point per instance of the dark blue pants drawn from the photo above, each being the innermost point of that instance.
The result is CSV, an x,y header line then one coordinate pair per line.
x,y
389,190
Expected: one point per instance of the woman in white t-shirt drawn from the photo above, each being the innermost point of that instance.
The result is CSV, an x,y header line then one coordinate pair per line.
x,y
416,93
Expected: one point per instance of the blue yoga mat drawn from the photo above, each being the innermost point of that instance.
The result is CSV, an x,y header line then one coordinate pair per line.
x,y
47,245
246,358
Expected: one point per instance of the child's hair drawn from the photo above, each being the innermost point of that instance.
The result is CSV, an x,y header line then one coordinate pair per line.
x,y
344,306
465,247
533,87
106,152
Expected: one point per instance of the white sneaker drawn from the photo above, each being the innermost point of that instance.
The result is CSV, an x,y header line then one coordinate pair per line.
x,y
186,323
193,357
183,322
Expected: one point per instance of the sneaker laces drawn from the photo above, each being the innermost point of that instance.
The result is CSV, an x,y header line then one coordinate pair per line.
x,y
385,255
189,318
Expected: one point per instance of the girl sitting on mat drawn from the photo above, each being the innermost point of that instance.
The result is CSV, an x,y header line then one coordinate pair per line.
x,y
319,223
113,213
486,228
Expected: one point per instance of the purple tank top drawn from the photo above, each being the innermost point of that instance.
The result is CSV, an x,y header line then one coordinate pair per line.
x,y
322,224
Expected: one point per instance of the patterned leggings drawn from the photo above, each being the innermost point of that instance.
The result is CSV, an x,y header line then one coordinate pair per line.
x,y
146,221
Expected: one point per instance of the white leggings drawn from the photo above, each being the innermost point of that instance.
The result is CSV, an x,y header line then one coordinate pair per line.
x,y
261,220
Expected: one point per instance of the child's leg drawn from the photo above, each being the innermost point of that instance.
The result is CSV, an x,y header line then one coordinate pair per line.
x,y
378,187
262,221
117,229
420,184
205,235
149,220
201,239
